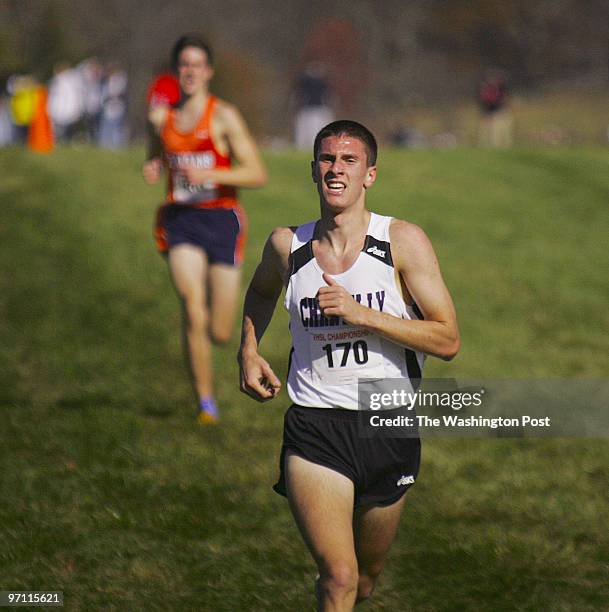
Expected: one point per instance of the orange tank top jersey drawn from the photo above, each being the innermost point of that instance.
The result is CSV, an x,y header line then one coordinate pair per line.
x,y
195,148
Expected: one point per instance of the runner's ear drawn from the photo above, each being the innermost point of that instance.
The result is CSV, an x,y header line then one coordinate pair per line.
x,y
314,171
370,177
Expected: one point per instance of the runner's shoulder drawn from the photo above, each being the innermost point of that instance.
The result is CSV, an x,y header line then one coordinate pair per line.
x,y
277,248
408,241
405,229
226,112
280,240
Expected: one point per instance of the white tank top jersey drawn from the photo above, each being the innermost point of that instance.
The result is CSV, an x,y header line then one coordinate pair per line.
x,y
328,356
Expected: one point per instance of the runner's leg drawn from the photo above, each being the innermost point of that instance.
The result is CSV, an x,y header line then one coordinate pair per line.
x,y
321,501
224,288
189,268
374,529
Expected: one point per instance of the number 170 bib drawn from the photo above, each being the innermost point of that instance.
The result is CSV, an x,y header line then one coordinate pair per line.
x,y
341,357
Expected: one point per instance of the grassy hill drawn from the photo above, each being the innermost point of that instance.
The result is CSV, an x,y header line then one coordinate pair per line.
x,y
111,493
567,115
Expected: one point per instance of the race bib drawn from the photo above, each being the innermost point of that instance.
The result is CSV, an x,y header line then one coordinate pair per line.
x,y
341,357
187,193
184,192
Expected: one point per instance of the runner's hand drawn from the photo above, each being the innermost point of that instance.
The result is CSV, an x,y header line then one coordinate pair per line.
x,y
196,176
335,301
257,378
152,170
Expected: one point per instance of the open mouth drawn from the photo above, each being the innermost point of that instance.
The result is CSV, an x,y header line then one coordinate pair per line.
x,y
335,187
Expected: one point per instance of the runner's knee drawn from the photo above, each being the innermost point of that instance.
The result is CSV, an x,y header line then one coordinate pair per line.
x,y
220,335
196,316
339,579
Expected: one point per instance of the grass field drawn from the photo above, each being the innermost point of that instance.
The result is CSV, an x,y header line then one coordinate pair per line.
x,y
111,493
568,116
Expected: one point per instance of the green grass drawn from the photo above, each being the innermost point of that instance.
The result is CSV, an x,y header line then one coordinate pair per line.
x,y
112,494
568,116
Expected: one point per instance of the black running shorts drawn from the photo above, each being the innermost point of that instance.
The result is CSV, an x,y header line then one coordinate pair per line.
x,y
382,466
220,232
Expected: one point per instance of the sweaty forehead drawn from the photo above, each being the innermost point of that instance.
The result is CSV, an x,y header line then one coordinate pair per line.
x,y
342,144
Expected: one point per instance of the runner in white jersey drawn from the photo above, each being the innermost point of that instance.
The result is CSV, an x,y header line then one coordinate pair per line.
x,y
366,300
330,355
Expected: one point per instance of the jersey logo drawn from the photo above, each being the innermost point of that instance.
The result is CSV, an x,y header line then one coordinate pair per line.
x,y
379,249
376,251
202,134
405,480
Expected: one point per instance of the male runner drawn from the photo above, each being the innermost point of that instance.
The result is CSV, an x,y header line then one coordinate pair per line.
x,y
378,279
202,227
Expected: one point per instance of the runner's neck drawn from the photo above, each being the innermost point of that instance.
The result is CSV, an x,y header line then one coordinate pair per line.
x,y
197,101
344,230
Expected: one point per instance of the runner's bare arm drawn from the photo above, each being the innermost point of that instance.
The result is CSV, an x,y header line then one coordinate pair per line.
x,y
153,166
157,115
249,169
415,260
257,378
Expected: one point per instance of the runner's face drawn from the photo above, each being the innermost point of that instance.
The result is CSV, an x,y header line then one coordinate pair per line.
x,y
341,171
194,71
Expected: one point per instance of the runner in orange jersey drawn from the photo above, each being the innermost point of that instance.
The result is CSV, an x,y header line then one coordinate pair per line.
x,y
201,227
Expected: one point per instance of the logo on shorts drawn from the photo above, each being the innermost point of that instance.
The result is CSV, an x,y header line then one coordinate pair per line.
x,y
405,480
376,251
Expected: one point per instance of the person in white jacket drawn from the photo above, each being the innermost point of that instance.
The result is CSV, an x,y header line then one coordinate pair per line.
x,y
66,101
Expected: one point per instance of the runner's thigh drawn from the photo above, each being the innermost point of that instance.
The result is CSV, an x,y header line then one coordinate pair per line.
x,y
375,528
188,268
224,287
322,503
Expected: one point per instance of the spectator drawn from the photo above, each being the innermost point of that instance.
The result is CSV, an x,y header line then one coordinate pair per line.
x,y
92,72
496,120
113,128
65,103
312,95
164,91
22,89
6,125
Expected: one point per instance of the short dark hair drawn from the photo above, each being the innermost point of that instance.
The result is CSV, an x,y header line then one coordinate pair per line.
x,y
190,40
349,128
